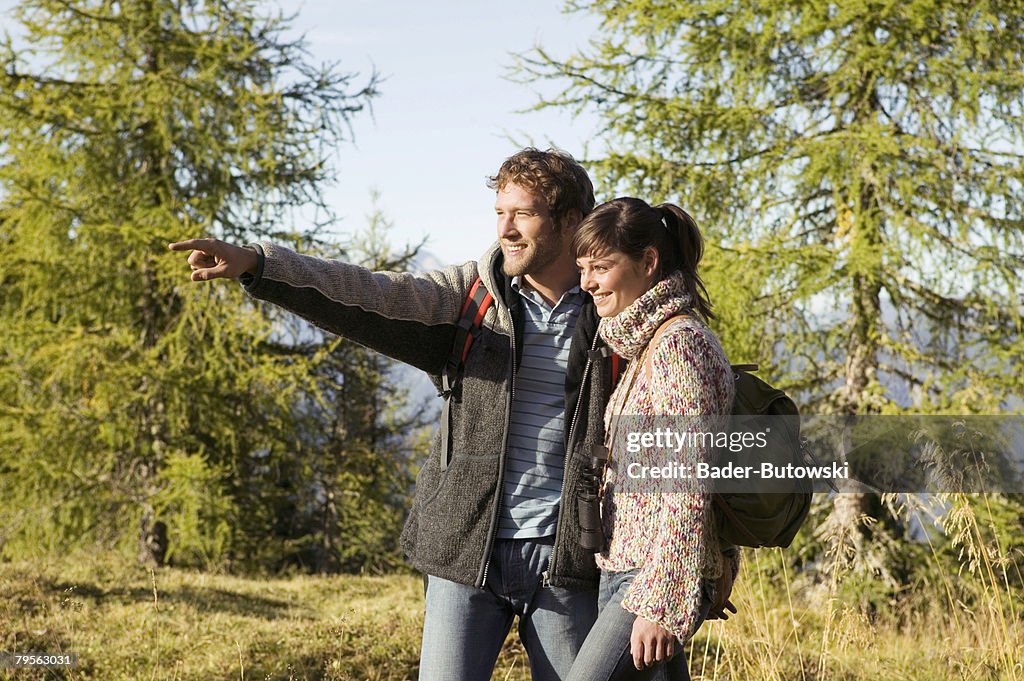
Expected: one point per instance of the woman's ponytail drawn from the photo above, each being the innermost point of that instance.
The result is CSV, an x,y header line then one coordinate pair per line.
x,y
688,251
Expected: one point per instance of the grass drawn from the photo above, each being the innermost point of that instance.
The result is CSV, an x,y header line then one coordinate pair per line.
x,y
131,623
126,622
819,638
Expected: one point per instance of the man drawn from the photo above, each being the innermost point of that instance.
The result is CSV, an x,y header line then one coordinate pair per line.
x,y
494,521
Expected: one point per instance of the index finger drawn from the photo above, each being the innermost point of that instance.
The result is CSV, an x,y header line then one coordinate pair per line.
x,y
191,245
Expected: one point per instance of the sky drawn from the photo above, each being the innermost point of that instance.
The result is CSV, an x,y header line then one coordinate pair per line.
x,y
447,114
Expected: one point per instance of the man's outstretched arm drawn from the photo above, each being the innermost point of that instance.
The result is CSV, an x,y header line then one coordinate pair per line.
x,y
411,318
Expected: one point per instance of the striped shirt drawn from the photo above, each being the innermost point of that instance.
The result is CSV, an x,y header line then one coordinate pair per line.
x,y
535,457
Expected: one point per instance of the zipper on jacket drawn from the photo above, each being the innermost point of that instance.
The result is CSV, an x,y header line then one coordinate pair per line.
x,y
568,452
499,491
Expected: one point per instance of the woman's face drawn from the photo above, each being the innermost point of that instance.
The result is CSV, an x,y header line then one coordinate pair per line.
x,y
615,280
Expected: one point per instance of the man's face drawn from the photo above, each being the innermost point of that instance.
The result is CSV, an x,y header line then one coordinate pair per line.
x,y
529,238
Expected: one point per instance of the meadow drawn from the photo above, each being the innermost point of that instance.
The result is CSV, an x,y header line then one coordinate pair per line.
x,y
128,622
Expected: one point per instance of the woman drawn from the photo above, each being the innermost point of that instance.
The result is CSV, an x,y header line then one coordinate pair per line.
x,y
663,555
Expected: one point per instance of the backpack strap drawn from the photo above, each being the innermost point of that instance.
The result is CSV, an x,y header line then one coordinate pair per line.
x,y
471,317
661,331
654,341
616,369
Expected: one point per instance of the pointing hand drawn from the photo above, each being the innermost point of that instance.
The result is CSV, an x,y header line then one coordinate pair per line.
x,y
216,259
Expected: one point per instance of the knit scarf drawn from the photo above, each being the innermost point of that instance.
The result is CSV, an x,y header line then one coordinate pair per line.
x,y
629,332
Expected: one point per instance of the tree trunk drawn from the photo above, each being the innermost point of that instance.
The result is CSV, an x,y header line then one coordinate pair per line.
x,y
849,527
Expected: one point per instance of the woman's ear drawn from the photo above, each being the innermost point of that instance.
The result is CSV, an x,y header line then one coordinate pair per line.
x,y
651,262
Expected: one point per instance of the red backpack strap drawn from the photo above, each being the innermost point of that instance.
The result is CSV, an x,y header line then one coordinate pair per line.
x,y
473,311
471,317
615,363
616,369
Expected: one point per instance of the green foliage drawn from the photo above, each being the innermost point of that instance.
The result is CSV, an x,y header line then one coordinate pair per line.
x,y
334,496
198,513
860,165
858,170
126,392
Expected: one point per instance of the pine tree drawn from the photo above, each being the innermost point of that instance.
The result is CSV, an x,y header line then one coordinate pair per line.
x,y
374,439
343,486
127,394
857,168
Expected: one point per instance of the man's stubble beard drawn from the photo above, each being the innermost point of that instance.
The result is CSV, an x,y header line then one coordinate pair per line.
x,y
543,253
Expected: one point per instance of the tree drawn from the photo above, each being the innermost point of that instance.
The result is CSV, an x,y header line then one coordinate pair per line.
x,y
858,169
343,486
126,393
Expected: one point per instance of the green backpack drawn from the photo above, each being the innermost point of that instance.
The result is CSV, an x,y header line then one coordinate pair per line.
x,y
764,518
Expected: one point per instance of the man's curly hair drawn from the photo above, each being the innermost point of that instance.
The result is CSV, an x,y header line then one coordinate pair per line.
x,y
553,174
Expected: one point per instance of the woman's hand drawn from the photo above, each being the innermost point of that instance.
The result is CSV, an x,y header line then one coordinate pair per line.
x,y
650,643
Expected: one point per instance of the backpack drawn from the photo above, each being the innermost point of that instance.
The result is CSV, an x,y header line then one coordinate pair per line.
x,y
468,328
764,518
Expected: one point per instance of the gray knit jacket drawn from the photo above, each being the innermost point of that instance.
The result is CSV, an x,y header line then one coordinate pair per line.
x,y
412,318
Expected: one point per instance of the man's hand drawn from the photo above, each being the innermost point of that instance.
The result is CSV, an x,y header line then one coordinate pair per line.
x,y
216,259
723,590
650,643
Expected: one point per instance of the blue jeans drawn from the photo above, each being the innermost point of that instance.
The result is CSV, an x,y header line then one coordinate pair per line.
x,y
465,627
605,655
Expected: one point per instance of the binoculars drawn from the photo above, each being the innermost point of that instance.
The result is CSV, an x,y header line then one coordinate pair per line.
x,y
588,502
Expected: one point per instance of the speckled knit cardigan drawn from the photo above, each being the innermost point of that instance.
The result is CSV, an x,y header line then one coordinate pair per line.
x,y
668,536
